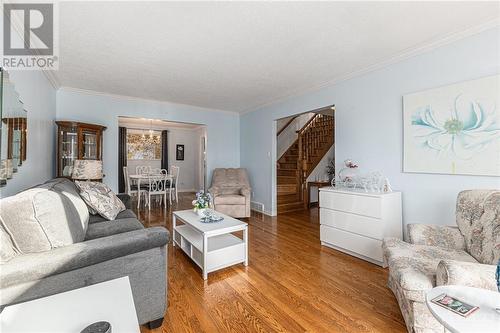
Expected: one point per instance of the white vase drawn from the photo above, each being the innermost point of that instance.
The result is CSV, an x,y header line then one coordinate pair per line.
x,y
201,211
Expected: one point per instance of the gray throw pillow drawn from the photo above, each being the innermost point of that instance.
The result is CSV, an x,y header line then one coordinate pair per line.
x,y
100,198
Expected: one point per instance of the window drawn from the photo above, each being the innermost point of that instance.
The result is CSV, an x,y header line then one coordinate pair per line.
x,y
145,146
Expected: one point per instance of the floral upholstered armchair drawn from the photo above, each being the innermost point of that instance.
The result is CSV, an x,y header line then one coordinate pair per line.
x,y
442,255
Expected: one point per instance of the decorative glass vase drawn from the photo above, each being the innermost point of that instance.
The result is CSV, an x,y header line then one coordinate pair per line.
x,y
348,176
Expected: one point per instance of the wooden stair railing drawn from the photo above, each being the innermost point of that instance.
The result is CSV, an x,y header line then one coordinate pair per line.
x,y
314,140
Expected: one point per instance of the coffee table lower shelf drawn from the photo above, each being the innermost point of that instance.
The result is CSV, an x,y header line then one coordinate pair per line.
x,y
221,251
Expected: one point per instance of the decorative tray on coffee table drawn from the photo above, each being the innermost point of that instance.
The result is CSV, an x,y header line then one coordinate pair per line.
x,y
211,217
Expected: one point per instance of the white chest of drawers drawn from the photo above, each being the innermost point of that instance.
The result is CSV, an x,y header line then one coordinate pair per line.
x,y
355,222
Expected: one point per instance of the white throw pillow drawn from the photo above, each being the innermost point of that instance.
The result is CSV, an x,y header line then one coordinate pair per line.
x,y
100,198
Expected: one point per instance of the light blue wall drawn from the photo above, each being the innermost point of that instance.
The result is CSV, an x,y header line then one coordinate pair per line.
x,y
369,125
39,98
222,127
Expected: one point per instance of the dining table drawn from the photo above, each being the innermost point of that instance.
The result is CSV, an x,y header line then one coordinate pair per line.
x,y
145,177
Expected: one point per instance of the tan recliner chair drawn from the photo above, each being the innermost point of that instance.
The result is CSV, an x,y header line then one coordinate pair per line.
x,y
231,192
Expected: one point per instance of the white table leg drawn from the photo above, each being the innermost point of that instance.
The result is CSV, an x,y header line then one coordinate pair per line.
x,y
245,240
205,250
174,219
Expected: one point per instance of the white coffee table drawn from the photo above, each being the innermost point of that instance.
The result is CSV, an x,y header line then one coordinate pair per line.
x,y
483,320
74,310
211,245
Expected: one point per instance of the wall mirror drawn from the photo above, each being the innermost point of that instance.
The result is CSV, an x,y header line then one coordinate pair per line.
x,y
14,129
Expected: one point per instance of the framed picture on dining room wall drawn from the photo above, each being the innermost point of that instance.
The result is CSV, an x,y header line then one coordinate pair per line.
x,y
454,129
179,152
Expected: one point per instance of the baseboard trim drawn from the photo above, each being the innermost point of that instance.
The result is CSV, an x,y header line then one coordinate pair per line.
x,y
265,212
262,211
187,190
357,255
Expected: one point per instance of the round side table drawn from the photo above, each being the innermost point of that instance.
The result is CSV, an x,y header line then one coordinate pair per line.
x,y
485,319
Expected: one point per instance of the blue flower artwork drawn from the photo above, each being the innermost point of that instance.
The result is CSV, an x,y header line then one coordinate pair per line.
x,y
454,129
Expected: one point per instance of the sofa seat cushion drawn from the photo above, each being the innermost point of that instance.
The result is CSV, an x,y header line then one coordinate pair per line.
x,y
413,267
236,211
127,213
109,228
229,199
96,219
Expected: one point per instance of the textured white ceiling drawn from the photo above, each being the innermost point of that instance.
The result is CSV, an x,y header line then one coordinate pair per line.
x,y
240,55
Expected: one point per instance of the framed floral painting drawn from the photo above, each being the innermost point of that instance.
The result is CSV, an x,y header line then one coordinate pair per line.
x,y
454,129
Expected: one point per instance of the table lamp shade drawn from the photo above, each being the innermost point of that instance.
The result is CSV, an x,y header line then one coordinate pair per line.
x,y
87,170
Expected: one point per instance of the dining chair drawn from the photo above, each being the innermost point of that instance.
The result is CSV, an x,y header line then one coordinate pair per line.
x,y
131,187
169,183
142,169
174,171
128,183
156,171
157,186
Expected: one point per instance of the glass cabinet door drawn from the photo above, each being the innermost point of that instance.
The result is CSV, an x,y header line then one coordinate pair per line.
x,y
77,141
68,148
89,144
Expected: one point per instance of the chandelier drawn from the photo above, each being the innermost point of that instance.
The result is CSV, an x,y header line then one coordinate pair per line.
x,y
151,138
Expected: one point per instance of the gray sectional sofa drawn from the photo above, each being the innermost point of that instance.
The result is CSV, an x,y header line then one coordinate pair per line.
x,y
51,244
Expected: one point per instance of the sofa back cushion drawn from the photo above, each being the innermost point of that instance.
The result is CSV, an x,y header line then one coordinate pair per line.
x,y
7,247
478,218
45,217
230,180
68,189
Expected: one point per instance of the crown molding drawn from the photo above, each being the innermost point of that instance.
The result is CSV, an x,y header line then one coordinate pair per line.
x,y
406,54
131,122
141,99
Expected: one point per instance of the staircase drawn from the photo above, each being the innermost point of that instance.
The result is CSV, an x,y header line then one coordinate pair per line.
x,y
314,140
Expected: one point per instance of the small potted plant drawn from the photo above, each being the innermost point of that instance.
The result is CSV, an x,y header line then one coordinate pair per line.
x,y
202,203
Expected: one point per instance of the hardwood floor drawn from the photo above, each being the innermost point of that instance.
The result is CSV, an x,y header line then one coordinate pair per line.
x,y
292,284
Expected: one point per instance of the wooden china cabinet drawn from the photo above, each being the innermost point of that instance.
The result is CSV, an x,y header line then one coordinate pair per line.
x,y
77,141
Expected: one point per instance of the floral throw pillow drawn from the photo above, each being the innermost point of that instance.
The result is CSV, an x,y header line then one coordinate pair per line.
x,y
100,198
